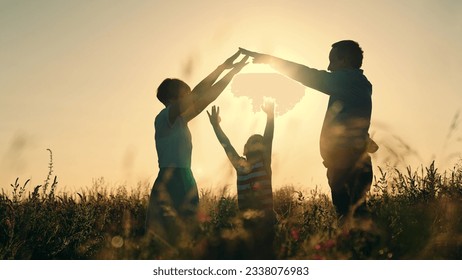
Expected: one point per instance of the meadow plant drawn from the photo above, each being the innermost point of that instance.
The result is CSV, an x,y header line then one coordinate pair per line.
x,y
415,214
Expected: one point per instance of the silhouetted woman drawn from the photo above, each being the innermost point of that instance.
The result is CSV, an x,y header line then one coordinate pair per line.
x,y
174,197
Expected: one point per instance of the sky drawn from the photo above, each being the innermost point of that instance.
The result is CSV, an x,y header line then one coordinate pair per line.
x,y
79,78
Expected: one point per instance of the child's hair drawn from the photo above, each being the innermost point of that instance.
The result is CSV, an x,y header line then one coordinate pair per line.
x,y
254,145
169,89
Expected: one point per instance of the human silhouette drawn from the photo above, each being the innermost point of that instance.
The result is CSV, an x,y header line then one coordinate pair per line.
x,y
254,183
344,143
174,197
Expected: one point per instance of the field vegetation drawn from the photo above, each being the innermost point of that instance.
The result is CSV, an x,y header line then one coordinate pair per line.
x,y
415,215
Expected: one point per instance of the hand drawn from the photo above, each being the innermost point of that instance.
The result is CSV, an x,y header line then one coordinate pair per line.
x,y
229,63
268,108
214,117
238,66
257,57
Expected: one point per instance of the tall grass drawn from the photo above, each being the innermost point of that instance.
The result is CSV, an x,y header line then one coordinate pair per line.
x,y
415,215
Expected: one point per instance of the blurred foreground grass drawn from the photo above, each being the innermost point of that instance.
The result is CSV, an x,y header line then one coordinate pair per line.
x,y
415,215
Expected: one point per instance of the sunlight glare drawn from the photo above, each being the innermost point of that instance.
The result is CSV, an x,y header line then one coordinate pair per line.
x,y
257,68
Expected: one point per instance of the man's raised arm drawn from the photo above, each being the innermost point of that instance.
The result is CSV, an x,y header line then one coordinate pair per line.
x,y
310,77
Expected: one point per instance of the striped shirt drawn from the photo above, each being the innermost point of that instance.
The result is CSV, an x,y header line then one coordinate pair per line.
x,y
254,190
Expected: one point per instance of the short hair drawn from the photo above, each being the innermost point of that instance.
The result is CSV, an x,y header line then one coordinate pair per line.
x,y
258,137
255,137
169,89
351,51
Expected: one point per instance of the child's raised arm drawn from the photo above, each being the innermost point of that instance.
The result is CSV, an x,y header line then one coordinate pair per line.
x,y
215,119
268,108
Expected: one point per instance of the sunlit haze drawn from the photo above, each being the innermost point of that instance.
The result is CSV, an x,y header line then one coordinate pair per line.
x,y
79,78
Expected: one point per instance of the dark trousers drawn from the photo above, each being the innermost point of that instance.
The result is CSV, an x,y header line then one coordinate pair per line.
x,y
261,230
349,182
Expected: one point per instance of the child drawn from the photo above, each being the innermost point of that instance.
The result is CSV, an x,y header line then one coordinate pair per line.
x,y
174,197
254,188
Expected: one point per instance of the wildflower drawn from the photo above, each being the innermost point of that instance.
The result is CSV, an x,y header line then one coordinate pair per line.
x,y
203,217
329,244
295,233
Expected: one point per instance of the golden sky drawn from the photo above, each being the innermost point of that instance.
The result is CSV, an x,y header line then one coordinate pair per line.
x,y
79,78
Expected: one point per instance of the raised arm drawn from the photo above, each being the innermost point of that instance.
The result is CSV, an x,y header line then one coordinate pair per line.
x,y
268,108
207,91
208,81
310,77
215,119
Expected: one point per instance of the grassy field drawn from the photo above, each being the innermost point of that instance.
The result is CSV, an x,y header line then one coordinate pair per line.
x,y
415,215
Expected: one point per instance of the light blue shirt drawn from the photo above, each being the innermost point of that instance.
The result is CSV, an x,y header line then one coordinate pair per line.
x,y
173,141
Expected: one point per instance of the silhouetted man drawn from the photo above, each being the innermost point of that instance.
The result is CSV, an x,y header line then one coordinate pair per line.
x,y
345,141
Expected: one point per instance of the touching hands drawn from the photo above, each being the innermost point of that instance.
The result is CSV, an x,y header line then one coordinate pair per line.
x,y
214,117
257,57
229,63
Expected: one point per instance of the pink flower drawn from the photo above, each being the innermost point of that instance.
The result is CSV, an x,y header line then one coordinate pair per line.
x,y
329,244
203,217
295,233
